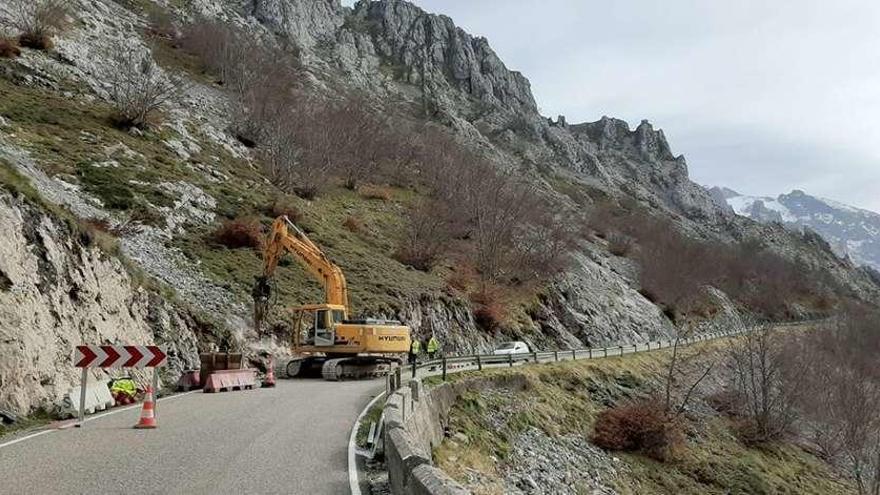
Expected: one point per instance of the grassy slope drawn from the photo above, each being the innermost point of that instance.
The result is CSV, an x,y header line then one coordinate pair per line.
x,y
565,399
38,419
376,281
66,135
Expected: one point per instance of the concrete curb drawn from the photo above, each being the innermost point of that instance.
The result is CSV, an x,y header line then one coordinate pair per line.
x,y
414,419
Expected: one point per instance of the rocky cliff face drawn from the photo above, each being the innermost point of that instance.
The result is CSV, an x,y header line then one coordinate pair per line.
x,y
306,23
433,53
58,290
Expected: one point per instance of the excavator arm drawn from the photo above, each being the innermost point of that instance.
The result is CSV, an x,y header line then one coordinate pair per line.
x,y
286,237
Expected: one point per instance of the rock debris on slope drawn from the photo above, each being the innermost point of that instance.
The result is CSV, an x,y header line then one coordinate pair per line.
x,y
457,80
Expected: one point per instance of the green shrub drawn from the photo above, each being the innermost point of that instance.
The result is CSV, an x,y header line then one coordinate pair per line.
x,y
109,184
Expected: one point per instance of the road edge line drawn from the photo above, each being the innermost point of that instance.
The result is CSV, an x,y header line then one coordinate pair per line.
x,y
353,481
87,419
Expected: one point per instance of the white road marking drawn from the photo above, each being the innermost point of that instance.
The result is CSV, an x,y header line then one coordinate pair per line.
x,y
353,481
22,439
90,418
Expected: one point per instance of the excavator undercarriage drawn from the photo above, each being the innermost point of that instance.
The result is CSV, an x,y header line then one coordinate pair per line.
x,y
337,368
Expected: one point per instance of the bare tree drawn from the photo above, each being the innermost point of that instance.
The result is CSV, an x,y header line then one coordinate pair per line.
x,y
39,20
427,236
674,267
841,412
292,157
267,93
766,377
263,78
360,142
139,88
680,377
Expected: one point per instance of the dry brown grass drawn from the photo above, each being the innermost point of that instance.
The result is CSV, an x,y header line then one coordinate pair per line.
x,y
285,208
640,426
39,20
381,193
9,48
36,41
490,309
353,224
239,233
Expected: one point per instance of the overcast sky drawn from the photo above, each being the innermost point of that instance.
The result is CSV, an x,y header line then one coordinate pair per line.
x,y
762,97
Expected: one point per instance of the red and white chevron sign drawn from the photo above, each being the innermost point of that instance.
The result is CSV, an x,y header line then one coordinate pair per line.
x,y
119,356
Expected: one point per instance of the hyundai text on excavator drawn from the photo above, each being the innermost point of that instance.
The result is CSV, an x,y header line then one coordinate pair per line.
x,y
323,336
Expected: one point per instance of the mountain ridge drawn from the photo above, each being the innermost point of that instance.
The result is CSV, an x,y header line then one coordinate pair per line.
x,y
851,231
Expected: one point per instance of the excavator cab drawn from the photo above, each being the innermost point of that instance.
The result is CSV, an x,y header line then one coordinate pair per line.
x,y
319,323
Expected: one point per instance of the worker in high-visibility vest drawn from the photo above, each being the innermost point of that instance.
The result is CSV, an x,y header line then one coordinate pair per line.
x,y
433,346
414,350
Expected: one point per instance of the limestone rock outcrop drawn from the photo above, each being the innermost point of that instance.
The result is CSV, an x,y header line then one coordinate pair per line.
x,y
59,290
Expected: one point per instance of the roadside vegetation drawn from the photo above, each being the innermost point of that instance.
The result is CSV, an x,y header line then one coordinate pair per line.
x,y
780,410
35,420
675,269
372,417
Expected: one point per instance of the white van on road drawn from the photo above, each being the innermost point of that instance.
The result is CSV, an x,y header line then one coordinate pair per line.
x,y
514,347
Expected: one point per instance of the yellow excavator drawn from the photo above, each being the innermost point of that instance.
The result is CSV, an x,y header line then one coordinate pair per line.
x,y
323,337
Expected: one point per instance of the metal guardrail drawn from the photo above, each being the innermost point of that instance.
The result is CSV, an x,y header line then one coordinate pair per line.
x,y
481,360
448,364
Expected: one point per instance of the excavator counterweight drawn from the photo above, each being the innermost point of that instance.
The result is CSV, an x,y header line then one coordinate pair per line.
x,y
323,335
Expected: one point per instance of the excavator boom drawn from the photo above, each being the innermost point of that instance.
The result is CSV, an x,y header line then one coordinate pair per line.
x,y
309,255
280,241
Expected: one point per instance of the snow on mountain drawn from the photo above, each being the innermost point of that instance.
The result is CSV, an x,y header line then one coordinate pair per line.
x,y
850,231
745,205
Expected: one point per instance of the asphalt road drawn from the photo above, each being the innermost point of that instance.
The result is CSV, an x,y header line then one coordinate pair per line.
x,y
292,439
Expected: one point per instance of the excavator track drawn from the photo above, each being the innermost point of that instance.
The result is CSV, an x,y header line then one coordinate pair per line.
x,y
353,368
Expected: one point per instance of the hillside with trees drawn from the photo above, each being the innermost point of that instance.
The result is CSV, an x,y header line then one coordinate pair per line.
x,y
162,138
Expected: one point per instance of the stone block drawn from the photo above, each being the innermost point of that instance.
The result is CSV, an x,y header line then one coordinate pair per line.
x,y
428,480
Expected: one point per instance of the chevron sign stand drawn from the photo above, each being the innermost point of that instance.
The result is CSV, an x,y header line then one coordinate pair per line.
x,y
116,356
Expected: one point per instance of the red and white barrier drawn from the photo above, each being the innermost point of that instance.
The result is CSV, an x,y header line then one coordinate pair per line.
x,y
225,380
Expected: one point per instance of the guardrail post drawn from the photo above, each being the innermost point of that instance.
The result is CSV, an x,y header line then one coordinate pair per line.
x,y
621,350
479,363
535,355
590,353
574,355
444,368
556,356
635,348
510,359
606,351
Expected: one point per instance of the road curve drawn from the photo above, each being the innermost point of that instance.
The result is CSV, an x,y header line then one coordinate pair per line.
x,y
291,439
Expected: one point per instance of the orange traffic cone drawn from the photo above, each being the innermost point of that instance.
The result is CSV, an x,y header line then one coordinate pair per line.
x,y
148,416
269,381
